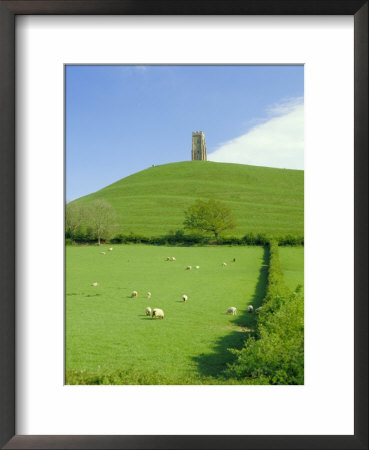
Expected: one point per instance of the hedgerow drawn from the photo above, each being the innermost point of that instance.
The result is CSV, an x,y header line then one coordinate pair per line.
x,y
275,354
180,238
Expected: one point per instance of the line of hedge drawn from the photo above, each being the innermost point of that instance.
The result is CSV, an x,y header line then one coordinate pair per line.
x,y
275,354
179,238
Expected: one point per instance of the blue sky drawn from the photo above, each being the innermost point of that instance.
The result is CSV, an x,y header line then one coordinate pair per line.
x,y
123,119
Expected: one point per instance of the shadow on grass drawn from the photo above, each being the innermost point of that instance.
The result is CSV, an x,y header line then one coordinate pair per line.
x,y
92,295
213,364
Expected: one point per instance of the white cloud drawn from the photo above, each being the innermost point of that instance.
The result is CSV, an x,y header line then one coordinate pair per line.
x,y
277,142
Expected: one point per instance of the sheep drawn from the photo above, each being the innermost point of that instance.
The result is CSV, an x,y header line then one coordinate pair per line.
x,y
103,253
134,294
95,284
168,258
149,295
258,309
184,298
197,267
110,249
188,267
250,308
157,312
224,264
173,258
148,311
232,310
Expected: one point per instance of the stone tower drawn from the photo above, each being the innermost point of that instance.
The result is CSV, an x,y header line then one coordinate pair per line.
x,y
198,146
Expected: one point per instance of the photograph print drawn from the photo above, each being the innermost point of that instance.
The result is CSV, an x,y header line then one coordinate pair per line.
x,y
184,225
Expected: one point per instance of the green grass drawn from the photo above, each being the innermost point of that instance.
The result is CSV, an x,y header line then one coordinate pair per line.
x,y
108,334
292,264
152,202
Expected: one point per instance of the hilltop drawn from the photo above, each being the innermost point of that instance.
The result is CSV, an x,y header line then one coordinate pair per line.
x,y
152,201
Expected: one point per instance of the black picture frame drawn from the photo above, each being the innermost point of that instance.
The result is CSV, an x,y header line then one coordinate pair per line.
x,y
8,11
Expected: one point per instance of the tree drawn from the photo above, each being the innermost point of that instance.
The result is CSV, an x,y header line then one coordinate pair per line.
x,y
102,219
75,217
210,217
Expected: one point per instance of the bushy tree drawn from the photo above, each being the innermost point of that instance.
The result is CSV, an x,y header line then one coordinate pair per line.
x,y
210,217
75,218
101,219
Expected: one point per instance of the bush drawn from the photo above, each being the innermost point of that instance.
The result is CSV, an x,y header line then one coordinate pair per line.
x,y
290,239
276,285
230,240
255,239
159,240
84,234
178,237
275,354
118,239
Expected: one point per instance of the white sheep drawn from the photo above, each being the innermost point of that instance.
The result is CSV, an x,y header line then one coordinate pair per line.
x,y
184,298
157,312
258,309
232,310
148,311
103,253
149,295
110,249
224,264
95,284
188,267
250,308
197,267
173,258
134,294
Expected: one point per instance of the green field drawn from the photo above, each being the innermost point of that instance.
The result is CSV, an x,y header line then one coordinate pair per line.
x,y
152,202
292,263
107,331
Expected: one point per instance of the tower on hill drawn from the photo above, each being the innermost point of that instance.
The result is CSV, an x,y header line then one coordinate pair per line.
x,y
198,146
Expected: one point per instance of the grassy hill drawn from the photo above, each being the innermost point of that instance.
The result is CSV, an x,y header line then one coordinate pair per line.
x,y
153,201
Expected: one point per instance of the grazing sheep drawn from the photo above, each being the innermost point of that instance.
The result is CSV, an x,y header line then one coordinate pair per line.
x,y
134,294
232,310
184,298
148,311
110,249
188,267
197,267
159,313
149,295
258,309
95,284
224,264
250,308
173,258
103,253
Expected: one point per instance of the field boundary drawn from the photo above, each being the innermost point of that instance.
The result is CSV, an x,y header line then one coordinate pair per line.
x,y
179,238
275,353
